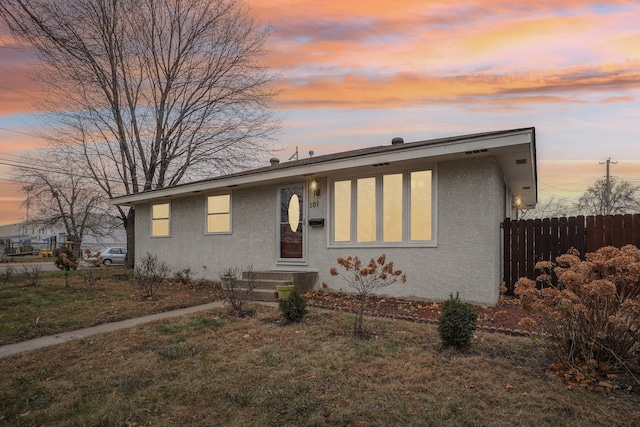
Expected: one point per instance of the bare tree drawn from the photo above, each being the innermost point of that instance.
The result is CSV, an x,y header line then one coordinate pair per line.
x,y
60,197
150,93
621,198
548,208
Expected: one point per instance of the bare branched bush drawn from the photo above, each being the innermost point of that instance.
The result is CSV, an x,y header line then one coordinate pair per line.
x,y
236,296
31,274
6,275
150,273
593,315
90,277
366,280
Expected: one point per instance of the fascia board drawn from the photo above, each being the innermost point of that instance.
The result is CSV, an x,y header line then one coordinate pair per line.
x,y
402,154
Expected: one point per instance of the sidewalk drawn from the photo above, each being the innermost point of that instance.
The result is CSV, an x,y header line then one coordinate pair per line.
x,y
21,347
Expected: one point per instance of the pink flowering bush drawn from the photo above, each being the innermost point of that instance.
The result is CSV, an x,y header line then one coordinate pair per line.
x,y
593,315
366,279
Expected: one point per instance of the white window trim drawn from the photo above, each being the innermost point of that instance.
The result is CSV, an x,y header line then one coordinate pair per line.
x,y
406,211
206,215
164,236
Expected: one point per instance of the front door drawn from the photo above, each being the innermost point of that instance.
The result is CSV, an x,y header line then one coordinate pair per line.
x,y
292,224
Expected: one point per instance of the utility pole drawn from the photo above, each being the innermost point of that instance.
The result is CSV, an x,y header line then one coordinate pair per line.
x,y
607,193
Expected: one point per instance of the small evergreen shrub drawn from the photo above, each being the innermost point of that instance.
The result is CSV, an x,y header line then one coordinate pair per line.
x,y
183,277
293,308
457,323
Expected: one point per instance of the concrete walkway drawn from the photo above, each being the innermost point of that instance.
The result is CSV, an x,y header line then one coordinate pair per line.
x,y
21,347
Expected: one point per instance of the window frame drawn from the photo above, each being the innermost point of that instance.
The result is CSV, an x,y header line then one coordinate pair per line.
x,y
379,210
207,214
168,219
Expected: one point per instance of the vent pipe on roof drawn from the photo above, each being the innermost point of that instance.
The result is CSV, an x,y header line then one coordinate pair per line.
x,y
274,161
397,140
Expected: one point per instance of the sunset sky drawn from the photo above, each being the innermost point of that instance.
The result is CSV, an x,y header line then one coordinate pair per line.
x,y
357,73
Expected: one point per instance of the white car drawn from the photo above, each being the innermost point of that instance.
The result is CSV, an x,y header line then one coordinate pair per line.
x,y
111,255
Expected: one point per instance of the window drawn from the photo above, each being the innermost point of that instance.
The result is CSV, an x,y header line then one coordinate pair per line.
x,y
342,211
219,214
387,209
160,220
366,208
392,207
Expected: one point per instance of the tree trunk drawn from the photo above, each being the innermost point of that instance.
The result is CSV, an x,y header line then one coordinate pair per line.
x,y
358,328
130,228
76,247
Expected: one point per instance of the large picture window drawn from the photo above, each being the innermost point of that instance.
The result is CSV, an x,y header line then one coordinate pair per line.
x,y
219,214
160,220
387,209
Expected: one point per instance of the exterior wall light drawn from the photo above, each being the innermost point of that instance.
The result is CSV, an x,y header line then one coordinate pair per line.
x,y
315,187
518,201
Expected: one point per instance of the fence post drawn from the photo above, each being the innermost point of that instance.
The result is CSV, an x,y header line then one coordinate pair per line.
x,y
506,252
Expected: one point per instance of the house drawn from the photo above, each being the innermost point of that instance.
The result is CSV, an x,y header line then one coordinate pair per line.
x,y
433,207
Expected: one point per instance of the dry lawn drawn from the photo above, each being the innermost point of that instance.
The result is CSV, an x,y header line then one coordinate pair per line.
x,y
49,307
214,369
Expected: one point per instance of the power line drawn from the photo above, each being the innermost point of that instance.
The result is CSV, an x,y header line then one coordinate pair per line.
x,y
22,133
30,167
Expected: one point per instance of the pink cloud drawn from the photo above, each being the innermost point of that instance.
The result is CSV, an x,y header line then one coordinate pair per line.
x,y
403,89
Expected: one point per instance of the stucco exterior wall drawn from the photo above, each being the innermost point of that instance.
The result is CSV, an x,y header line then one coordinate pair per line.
x,y
252,240
470,203
467,257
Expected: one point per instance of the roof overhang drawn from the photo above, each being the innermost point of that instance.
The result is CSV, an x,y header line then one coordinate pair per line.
x,y
514,150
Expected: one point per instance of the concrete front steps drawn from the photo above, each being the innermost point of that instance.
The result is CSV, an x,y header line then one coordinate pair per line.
x,y
267,281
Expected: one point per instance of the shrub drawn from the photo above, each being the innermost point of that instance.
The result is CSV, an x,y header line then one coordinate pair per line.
x,y
211,285
593,315
90,278
5,276
95,259
67,261
183,277
293,308
150,274
31,274
366,280
237,296
457,323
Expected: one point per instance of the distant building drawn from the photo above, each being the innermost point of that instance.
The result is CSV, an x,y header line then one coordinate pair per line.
x,y
21,237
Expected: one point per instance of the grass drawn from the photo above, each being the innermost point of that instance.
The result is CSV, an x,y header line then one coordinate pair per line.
x,y
49,307
28,258
213,369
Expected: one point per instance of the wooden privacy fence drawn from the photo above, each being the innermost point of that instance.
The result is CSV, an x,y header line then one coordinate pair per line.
x,y
530,241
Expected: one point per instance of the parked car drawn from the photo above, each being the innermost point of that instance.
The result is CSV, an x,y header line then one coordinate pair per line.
x,y
111,255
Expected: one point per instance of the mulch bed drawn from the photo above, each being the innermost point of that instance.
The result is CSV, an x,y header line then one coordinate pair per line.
x,y
506,317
